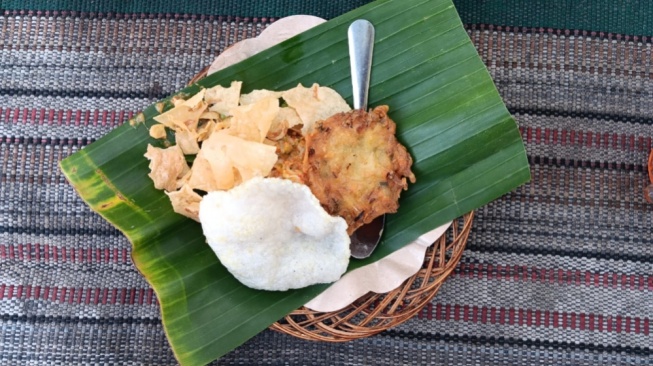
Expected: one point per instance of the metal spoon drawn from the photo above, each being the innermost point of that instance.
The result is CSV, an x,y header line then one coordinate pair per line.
x,y
361,44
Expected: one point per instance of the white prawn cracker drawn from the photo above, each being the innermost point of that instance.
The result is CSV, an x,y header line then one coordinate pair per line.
x,y
272,234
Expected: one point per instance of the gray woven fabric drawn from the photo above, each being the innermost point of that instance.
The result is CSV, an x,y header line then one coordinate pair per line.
x,y
560,271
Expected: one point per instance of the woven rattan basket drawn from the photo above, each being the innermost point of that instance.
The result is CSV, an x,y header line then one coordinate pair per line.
x,y
373,313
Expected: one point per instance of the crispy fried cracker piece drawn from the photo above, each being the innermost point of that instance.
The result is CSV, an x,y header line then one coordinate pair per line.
x,y
211,116
314,104
186,202
252,122
158,131
212,170
285,119
167,166
187,141
256,95
272,234
356,167
250,158
223,99
185,115
205,129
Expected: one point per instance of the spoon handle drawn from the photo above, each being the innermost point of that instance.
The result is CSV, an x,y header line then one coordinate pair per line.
x,y
361,45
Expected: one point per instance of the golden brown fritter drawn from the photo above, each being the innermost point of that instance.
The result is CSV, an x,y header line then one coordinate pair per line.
x,y
356,167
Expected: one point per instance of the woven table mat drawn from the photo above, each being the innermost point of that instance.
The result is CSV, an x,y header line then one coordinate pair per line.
x,y
560,271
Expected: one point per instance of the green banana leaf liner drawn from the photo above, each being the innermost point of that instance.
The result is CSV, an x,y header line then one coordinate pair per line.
x,y
466,147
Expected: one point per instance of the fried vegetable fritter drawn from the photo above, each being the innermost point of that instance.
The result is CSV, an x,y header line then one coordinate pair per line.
x,y
355,166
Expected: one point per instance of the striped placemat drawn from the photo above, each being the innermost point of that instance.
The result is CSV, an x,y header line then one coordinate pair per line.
x,y
560,271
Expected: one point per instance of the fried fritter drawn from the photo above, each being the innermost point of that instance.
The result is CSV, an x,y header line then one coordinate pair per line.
x,y
355,166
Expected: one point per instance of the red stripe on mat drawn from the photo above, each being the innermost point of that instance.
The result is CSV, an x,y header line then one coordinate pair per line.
x,y
78,295
49,253
65,117
538,318
557,276
586,139
438,312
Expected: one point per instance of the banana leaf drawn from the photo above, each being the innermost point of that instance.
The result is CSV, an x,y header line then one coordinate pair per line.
x,y
466,147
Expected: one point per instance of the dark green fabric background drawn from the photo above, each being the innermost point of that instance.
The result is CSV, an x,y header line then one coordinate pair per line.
x,y
633,17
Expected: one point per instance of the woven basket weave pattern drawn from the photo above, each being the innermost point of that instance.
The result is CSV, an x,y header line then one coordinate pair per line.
x,y
374,313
